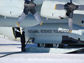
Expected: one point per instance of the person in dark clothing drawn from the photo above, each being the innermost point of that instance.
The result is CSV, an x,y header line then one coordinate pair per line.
x,y
23,42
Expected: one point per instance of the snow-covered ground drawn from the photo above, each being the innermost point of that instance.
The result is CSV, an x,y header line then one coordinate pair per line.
x,y
8,46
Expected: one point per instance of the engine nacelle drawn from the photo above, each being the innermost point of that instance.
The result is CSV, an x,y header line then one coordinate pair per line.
x,y
14,8
11,8
48,10
10,32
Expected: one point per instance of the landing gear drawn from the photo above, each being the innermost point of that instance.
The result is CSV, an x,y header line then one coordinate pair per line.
x,y
48,45
40,45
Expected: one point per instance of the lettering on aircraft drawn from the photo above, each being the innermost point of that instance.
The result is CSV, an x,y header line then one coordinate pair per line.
x,y
48,31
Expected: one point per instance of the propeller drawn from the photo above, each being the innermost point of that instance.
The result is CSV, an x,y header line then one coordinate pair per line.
x,y
29,6
70,8
71,1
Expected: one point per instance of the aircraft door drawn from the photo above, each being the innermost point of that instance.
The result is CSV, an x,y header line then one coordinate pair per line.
x,y
16,32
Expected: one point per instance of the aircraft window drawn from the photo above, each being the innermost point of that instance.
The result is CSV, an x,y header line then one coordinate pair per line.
x,y
81,22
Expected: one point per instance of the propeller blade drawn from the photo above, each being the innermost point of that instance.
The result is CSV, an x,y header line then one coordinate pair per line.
x,y
80,7
23,15
70,21
21,18
38,18
70,1
70,24
59,7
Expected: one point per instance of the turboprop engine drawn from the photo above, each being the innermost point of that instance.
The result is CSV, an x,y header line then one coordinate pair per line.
x,y
13,8
48,11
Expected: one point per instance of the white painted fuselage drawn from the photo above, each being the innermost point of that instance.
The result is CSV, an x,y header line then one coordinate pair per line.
x,y
9,18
